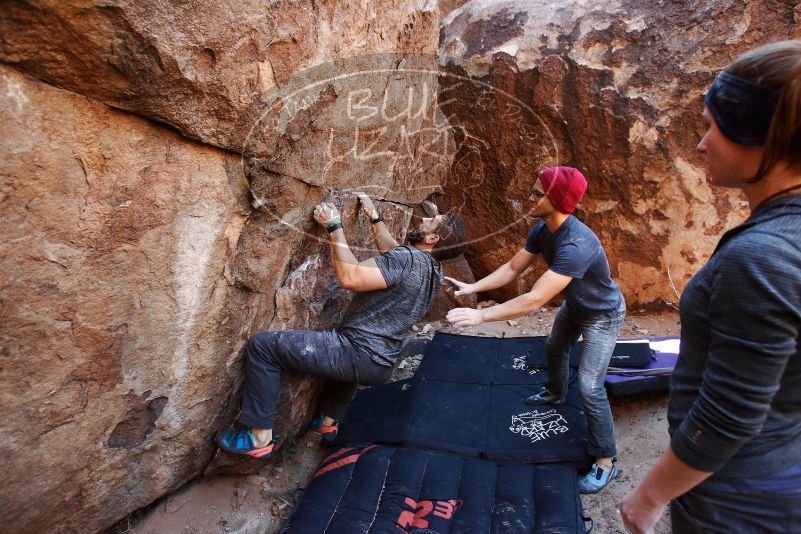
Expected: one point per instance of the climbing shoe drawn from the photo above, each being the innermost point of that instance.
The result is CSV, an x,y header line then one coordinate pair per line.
x,y
242,442
327,432
597,479
544,397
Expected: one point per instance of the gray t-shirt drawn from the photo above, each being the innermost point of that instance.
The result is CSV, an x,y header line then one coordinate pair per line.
x,y
377,321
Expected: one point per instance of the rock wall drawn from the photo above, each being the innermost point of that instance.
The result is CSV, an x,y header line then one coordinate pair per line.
x,y
116,232
138,257
446,6
206,68
614,88
160,161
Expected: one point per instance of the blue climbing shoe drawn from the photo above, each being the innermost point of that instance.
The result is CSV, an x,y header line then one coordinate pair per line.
x,y
327,432
596,479
241,442
544,397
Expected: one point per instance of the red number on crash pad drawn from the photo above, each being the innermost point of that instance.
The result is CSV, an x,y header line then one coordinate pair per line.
x,y
421,509
443,509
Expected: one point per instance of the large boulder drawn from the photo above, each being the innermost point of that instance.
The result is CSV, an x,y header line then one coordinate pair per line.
x,y
136,262
614,88
134,268
118,333
206,68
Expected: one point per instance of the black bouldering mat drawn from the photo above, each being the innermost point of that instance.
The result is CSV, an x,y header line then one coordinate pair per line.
x,y
490,359
388,490
467,398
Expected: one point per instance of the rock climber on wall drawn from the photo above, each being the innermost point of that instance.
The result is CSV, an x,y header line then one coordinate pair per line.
x,y
394,290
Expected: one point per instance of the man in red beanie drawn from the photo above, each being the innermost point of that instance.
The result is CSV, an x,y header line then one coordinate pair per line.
x,y
593,308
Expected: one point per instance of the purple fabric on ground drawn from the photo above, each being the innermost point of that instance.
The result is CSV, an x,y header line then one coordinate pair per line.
x,y
665,356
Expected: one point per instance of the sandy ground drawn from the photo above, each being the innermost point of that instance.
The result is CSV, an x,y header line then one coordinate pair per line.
x,y
257,504
253,504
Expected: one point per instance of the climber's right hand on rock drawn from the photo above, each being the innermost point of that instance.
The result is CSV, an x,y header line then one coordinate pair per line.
x,y
461,287
325,214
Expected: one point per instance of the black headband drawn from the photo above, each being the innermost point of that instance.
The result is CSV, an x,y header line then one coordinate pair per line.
x,y
742,109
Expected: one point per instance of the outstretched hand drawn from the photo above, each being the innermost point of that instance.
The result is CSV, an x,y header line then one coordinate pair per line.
x,y
325,213
639,516
465,317
462,288
367,205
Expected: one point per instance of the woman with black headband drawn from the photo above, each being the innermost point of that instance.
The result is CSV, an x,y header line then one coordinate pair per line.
x,y
734,461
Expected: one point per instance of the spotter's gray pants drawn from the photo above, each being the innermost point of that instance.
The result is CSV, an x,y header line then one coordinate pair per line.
x,y
599,333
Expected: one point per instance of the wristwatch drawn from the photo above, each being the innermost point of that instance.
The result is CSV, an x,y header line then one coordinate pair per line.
x,y
377,219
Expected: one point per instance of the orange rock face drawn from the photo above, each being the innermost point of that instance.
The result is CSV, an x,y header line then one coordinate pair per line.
x,y
614,89
115,232
160,162
135,261
208,69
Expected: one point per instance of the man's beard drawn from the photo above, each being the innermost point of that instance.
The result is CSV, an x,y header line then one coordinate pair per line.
x,y
544,214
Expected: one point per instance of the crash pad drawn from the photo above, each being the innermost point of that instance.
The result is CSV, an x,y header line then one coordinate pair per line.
x,y
386,490
467,398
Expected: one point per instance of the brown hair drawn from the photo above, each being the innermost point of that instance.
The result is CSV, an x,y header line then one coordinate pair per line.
x,y
777,66
452,238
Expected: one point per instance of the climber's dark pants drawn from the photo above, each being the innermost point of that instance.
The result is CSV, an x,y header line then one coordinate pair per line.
x,y
326,354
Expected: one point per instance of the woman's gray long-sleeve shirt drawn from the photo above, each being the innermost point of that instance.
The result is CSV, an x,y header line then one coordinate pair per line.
x,y
735,394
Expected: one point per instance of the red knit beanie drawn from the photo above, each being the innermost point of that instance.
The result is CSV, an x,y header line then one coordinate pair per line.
x,y
564,187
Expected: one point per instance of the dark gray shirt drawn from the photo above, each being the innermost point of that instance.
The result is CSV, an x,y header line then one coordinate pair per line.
x,y
377,321
735,394
574,250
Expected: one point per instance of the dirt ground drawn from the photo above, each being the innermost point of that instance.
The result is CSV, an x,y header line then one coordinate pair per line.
x,y
257,504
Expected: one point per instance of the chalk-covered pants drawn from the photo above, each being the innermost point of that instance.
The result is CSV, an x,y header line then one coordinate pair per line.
x,y
326,354
599,334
